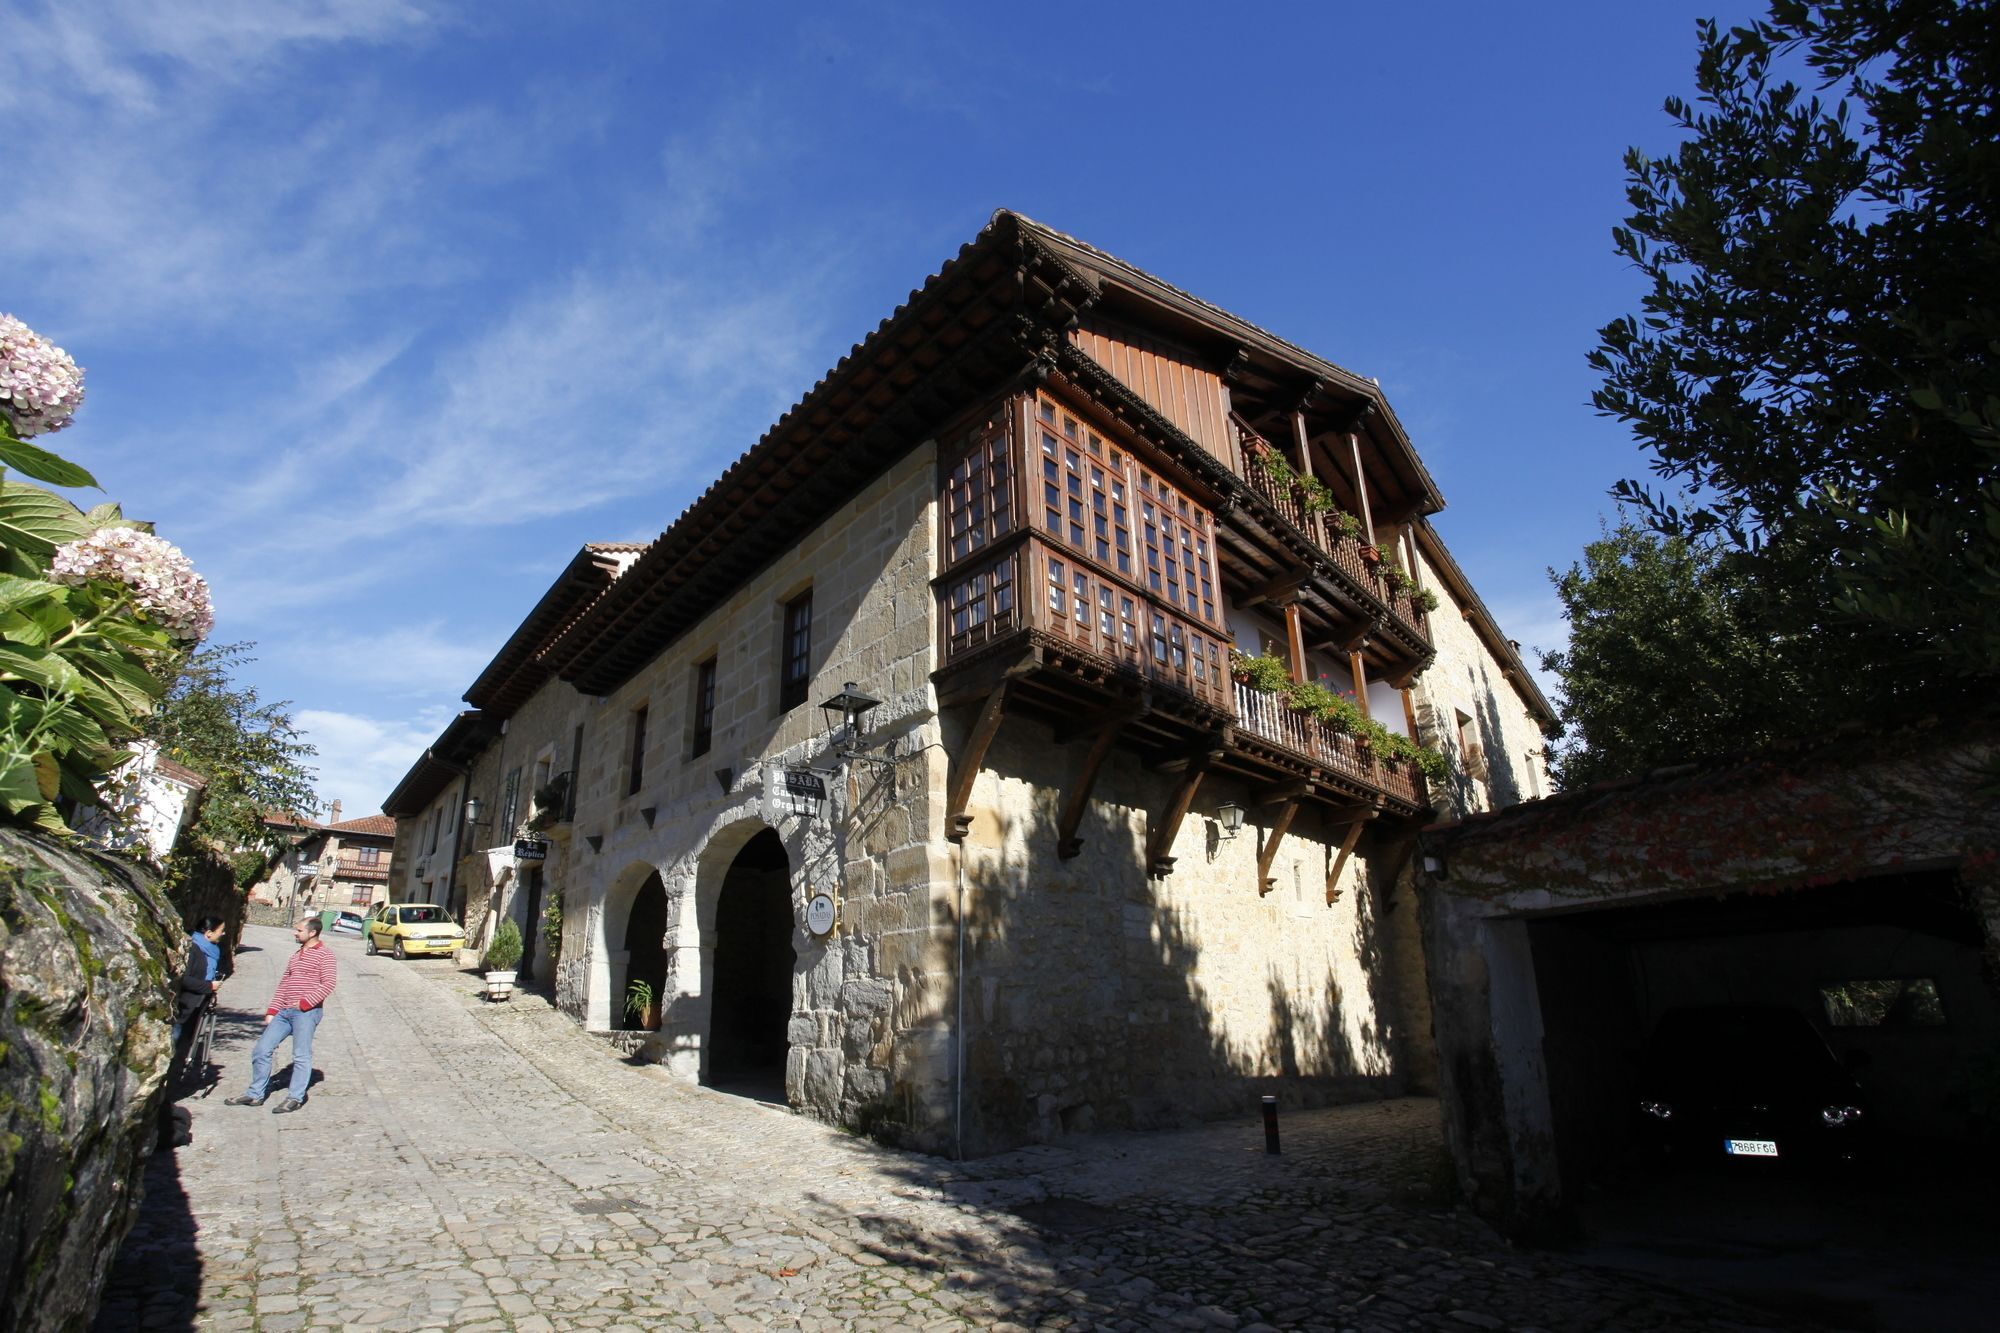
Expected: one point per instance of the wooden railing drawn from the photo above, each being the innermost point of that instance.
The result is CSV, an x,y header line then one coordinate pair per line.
x,y
1041,586
1267,716
1252,454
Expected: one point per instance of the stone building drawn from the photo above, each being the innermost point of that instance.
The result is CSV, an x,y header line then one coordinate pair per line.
x,y
908,768
342,863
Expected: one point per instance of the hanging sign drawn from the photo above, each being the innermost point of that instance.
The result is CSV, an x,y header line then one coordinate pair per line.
x,y
806,789
819,914
531,849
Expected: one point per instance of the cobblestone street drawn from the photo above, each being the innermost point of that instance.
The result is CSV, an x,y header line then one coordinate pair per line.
x,y
492,1167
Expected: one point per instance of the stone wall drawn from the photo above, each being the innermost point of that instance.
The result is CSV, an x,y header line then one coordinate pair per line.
x,y
1467,680
869,569
87,947
1100,998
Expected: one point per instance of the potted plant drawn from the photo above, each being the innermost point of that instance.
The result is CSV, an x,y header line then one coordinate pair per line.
x,y
642,1005
1425,600
1261,671
1344,525
503,953
1371,553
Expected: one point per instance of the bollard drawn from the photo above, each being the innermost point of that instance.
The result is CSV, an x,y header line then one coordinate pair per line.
x,y
1270,1124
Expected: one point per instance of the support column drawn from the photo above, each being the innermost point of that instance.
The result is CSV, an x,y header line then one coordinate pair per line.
x,y
1295,639
1361,486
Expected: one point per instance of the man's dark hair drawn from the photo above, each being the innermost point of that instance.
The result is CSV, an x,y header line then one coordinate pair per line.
x,y
207,923
310,923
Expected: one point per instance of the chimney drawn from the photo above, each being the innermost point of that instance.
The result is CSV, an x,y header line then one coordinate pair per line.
x,y
334,818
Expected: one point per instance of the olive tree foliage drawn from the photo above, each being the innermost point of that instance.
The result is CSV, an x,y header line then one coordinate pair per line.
x,y
1815,369
250,750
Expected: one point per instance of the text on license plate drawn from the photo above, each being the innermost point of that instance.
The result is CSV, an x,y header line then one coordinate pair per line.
x,y
1750,1147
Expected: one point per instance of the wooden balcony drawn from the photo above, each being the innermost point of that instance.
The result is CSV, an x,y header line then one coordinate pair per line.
x,y
1048,593
1360,577
1031,628
1339,754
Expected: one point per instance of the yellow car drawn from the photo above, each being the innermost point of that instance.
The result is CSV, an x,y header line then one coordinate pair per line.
x,y
412,929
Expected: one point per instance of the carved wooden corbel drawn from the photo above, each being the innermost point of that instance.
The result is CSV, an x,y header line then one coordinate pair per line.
x,y
965,767
1358,817
1290,795
1078,799
1167,827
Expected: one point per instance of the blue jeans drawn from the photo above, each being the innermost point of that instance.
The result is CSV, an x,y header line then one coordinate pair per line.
x,y
298,1024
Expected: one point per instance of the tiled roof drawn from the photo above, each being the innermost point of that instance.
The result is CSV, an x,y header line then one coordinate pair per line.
x,y
167,768
379,826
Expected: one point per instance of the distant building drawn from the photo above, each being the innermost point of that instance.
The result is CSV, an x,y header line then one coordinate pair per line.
x,y
908,770
339,863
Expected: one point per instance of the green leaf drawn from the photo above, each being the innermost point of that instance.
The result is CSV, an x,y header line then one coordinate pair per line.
x,y
38,666
41,464
19,592
18,787
37,521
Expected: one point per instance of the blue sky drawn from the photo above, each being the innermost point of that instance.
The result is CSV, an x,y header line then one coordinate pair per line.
x,y
388,306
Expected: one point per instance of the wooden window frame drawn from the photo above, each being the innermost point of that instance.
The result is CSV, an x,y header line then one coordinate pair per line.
x,y
704,708
795,652
636,762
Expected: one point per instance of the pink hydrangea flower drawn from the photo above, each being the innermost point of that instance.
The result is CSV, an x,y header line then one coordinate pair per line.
x,y
165,588
40,386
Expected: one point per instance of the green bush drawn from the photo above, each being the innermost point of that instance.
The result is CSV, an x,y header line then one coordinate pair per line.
x,y
505,950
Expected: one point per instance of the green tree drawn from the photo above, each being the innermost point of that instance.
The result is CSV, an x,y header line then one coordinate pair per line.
x,y
250,751
1667,659
1816,366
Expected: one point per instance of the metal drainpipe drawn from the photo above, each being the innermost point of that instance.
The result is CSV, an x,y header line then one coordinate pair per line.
x,y
959,1033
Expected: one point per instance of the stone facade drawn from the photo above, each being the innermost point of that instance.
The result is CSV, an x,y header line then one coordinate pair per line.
x,y
979,988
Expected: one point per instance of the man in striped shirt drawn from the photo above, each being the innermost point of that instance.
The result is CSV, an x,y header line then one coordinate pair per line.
x,y
294,1012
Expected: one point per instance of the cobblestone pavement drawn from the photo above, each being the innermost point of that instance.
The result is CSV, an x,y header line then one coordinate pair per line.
x,y
492,1167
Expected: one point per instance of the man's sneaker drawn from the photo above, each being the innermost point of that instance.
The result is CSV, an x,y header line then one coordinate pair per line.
x,y
287,1106
243,1101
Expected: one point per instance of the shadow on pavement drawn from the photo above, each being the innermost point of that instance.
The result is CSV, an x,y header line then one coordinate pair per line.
x,y
155,1282
1900,1245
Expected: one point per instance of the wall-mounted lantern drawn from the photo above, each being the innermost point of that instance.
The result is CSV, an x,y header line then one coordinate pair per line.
x,y
1230,816
844,713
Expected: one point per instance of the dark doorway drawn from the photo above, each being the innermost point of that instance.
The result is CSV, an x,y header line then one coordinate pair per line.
x,y
531,933
752,977
645,951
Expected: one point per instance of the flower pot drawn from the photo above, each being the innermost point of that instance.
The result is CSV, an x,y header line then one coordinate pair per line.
x,y
500,985
1372,554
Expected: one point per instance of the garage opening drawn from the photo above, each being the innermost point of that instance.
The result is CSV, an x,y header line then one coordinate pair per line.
x,y
1885,970
646,952
751,984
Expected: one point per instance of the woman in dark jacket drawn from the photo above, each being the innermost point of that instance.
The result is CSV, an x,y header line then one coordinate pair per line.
x,y
201,973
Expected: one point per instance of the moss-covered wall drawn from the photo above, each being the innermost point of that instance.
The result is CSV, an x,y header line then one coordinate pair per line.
x,y
86,944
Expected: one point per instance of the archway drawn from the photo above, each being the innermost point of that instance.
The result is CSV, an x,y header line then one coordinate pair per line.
x,y
751,977
645,948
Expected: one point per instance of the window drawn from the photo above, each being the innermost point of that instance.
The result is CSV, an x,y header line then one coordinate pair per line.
x,y
368,856
575,774
978,494
636,769
795,675
437,818
704,708
510,805
1886,1003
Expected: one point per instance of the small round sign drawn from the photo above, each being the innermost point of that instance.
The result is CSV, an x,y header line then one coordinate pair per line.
x,y
819,914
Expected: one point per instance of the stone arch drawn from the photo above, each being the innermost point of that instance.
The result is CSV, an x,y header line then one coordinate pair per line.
x,y
691,1014
750,967
609,955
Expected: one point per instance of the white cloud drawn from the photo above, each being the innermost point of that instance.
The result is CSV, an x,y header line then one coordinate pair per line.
x,y
361,759
418,660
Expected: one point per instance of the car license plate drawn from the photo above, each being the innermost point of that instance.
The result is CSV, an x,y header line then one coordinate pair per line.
x,y
1750,1147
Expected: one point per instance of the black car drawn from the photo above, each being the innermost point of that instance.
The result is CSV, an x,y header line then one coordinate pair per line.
x,y
1749,1083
